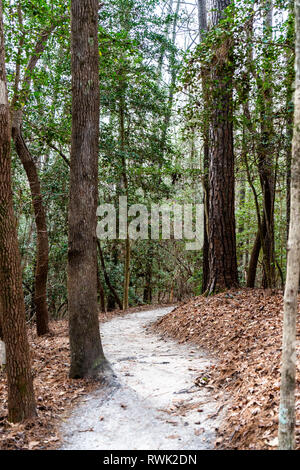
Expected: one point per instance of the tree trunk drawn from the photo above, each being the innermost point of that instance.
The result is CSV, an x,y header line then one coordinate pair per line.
x,y
289,355
125,186
87,358
147,296
21,403
202,24
290,77
202,19
20,97
222,238
107,280
101,292
241,228
252,268
266,152
42,256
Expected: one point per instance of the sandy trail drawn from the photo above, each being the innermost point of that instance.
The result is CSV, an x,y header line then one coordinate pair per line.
x,y
157,406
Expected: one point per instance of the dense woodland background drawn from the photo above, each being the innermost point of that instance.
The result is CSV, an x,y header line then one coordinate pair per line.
x,y
151,73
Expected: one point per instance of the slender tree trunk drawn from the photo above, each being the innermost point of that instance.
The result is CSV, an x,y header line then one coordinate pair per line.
x,y
202,19
106,277
245,92
125,186
147,296
21,403
202,23
126,274
241,229
42,256
101,292
87,358
222,238
205,256
289,355
19,99
174,68
290,77
266,151
252,268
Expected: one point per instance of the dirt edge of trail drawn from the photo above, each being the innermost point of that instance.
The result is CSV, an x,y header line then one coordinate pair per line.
x,y
243,329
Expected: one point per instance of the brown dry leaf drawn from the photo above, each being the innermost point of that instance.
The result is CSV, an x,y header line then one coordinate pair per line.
x,y
33,444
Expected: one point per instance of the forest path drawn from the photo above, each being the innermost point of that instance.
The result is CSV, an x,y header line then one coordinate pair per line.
x,y
157,406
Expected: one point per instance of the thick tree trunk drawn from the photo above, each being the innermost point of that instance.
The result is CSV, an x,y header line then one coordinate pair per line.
x,y
222,238
289,354
21,403
42,256
87,358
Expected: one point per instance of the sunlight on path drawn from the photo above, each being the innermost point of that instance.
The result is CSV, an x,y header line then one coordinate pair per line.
x,y
157,405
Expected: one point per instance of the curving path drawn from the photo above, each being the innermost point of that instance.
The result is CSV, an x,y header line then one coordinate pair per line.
x,y
157,405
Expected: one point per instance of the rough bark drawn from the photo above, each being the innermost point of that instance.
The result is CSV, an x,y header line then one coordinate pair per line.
x,y
87,358
21,403
289,355
222,238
